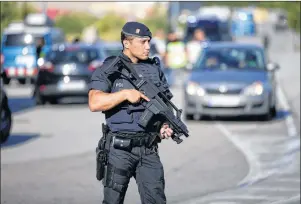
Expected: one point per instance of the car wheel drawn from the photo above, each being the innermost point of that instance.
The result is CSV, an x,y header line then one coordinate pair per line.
x,y
6,122
39,100
32,81
269,115
22,81
274,111
6,80
52,101
189,116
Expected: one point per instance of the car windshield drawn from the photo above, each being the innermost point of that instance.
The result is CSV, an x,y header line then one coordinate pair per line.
x,y
211,29
21,39
231,58
76,56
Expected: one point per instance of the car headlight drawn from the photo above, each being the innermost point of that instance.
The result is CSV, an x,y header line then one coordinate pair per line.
x,y
194,88
255,89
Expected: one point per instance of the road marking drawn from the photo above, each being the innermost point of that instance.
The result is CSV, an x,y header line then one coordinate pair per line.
x,y
288,180
286,200
254,165
244,197
272,188
289,120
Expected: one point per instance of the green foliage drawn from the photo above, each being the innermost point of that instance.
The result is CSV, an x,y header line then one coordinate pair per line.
x,y
109,26
13,11
157,21
74,23
8,13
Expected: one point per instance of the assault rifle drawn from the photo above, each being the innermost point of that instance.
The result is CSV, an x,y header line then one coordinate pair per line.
x,y
159,103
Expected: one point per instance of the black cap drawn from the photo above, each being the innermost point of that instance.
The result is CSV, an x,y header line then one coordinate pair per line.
x,y
136,29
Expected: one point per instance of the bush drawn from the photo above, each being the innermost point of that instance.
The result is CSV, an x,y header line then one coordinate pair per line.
x,y
13,11
109,26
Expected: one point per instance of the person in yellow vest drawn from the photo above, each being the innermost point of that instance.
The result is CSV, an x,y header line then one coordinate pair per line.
x,y
175,57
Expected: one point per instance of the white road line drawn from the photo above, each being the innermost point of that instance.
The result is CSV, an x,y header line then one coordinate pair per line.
x,y
288,180
286,200
247,197
272,188
289,120
254,165
255,169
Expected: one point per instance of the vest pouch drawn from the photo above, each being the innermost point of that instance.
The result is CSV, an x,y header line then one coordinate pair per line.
x,y
122,116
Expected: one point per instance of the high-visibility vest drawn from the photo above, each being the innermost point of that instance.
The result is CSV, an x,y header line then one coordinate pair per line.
x,y
176,55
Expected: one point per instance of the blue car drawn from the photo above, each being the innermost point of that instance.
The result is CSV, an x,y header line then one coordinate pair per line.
x,y
231,79
18,46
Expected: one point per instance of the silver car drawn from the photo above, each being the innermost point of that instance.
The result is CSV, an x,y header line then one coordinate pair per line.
x,y
231,79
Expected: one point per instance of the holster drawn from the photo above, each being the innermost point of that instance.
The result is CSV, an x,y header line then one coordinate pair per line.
x,y
102,153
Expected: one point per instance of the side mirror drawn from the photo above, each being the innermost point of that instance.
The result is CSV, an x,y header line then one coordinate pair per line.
x,y
272,66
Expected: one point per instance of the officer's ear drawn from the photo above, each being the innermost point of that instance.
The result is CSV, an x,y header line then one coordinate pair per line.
x,y
126,44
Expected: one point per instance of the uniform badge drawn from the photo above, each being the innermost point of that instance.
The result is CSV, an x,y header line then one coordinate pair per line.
x,y
137,31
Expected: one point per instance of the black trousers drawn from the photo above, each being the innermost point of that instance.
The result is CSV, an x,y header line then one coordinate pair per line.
x,y
142,163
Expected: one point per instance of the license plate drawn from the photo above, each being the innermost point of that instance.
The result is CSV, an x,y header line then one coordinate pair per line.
x,y
21,72
23,60
72,85
223,101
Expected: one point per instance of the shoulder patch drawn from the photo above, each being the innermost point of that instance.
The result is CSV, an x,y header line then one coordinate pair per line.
x,y
156,61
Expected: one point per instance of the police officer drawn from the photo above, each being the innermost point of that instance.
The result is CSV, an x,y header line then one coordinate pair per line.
x,y
113,97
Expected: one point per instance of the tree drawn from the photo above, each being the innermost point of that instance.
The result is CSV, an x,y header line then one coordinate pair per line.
x,y
109,26
74,23
12,11
9,13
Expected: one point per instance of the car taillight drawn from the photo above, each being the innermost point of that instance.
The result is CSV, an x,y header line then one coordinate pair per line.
x,y
2,59
93,65
47,66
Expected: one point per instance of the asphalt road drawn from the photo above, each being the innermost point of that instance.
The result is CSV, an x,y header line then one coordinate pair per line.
x,y
50,155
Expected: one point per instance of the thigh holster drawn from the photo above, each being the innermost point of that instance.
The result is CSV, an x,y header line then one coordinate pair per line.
x,y
109,180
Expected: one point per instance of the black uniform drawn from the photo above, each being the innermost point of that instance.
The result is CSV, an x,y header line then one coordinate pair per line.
x,y
142,160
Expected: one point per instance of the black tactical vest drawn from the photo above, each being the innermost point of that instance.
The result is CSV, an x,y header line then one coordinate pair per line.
x,y
120,119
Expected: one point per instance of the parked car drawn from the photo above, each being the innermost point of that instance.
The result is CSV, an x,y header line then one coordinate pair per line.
x,y
231,79
5,113
112,48
65,72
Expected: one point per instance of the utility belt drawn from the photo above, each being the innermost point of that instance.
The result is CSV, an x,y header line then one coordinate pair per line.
x,y
127,141
122,141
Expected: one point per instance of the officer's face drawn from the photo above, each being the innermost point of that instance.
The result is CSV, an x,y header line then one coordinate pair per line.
x,y
139,47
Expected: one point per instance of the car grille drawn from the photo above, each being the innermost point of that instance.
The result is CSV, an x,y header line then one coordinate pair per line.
x,y
217,91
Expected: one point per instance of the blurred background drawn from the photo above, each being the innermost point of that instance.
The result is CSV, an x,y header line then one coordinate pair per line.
x,y
233,67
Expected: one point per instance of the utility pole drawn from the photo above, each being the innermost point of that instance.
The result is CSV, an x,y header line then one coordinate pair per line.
x,y
44,7
173,13
24,10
